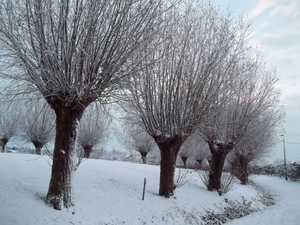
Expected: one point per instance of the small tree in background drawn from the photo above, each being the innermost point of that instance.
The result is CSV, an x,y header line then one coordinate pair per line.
x,y
92,130
143,143
202,154
194,147
9,121
256,143
146,147
245,98
137,139
38,126
186,151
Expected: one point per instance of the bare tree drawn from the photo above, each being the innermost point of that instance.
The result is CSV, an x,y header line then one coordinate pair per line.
x,y
255,144
9,119
202,153
184,154
139,140
195,148
92,130
243,99
38,126
73,53
170,98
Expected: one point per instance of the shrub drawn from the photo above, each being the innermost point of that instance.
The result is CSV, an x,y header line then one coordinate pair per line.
x,y
228,181
182,177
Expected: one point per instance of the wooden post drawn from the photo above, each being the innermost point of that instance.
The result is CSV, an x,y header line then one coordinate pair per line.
x,y
144,188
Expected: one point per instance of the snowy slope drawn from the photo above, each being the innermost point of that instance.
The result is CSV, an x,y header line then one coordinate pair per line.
x,y
108,192
287,208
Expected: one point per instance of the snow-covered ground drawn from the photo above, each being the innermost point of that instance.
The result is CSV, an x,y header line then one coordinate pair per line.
x,y
287,207
109,192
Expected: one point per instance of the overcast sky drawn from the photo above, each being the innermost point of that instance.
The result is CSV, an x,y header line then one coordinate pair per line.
x,y
275,26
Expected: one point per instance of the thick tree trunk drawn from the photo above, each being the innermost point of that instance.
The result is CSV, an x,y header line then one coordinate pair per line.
x,y
38,147
243,166
168,151
167,170
144,157
87,151
239,168
244,175
60,187
215,174
219,154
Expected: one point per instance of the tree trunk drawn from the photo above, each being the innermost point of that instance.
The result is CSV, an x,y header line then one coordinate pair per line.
x,y
168,151
38,147
4,141
239,168
184,159
215,174
235,167
244,168
243,165
87,151
60,187
144,157
167,170
217,163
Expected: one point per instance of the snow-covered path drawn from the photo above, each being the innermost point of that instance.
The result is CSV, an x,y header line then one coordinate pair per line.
x,y
287,207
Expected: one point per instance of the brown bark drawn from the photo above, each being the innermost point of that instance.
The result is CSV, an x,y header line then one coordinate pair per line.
x,y
240,168
60,187
219,153
169,149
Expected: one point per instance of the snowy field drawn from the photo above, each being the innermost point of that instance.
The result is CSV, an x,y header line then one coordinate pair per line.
x,y
109,192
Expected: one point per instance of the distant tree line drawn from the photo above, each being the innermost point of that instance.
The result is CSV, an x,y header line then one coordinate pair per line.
x,y
291,171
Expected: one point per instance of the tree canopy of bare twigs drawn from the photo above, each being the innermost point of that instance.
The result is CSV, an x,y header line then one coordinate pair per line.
x,y
9,123
255,144
136,138
38,126
172,97
73,53
242,101
93,129
194,147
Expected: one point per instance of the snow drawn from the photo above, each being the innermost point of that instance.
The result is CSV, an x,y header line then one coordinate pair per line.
x,y
285,211
110,192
